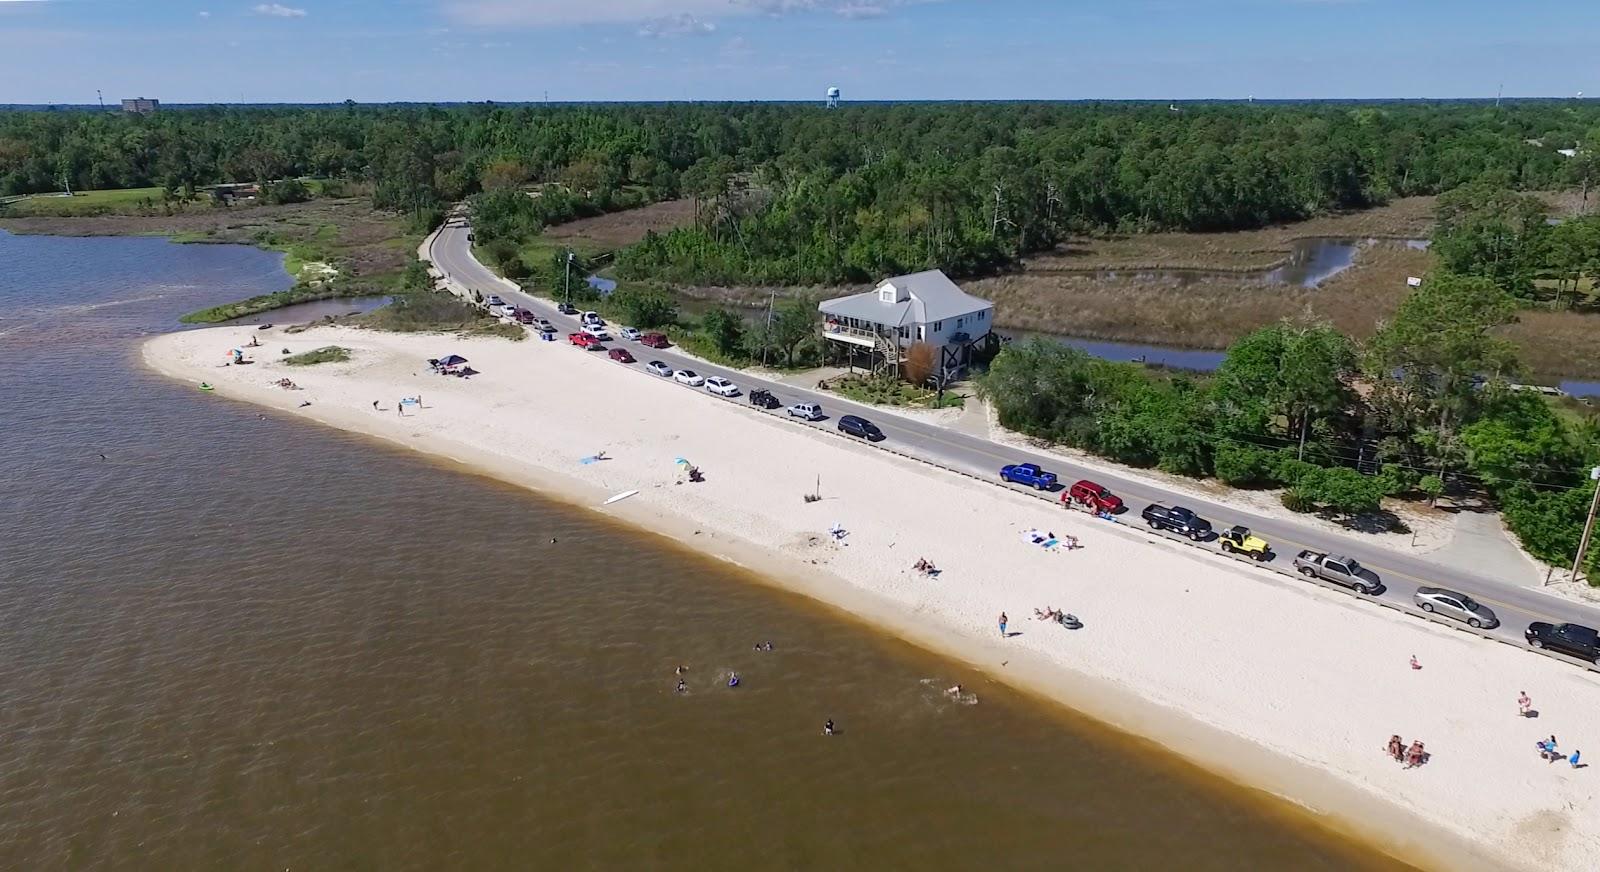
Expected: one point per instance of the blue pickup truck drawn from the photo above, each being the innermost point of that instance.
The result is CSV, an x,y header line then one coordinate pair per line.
x,y
1028,474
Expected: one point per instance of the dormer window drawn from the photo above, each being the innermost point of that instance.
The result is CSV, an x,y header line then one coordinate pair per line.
x,y
886,294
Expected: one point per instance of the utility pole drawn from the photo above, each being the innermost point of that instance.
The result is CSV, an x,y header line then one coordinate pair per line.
x,y
1588,526
767,339
570,256
102,99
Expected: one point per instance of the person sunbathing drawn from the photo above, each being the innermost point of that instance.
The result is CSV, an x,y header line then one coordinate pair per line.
x,y
1415,755
1397,748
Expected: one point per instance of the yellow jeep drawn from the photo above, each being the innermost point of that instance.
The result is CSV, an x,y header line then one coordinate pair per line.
x,y
1239,540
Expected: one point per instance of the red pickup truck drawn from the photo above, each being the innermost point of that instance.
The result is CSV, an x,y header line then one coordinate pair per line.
x,y
1093,497
584,341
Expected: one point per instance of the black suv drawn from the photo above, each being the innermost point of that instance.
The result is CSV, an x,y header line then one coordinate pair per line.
x,y
1177,519
1575,639
854,426
763,399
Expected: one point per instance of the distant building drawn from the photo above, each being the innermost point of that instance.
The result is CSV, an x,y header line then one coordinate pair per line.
x,y
905,310
141,105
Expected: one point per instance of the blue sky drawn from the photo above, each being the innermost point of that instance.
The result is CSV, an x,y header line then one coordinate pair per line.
x,y
60,51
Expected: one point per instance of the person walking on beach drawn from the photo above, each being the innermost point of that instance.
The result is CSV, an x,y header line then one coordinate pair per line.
x,y
1524,704
1574,758
374,405
1003,621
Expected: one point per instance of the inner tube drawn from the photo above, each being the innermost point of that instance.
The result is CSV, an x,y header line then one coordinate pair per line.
x,y
205,386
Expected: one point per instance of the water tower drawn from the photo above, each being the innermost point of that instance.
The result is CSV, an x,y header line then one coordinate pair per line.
x,y
833,98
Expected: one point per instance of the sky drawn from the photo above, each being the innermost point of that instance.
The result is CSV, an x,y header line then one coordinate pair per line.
x,y
211,51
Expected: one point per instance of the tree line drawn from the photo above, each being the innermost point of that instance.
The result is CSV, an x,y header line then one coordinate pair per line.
x,y
1426,404
798,194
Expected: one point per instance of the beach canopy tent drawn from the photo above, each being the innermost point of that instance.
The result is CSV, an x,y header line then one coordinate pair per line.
x,y
452,360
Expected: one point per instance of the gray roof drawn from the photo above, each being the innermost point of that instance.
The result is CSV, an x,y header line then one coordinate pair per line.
x,y
923,298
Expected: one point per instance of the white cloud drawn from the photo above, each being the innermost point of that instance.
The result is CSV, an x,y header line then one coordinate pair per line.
x,y
555,13
682,24
277,10
204,14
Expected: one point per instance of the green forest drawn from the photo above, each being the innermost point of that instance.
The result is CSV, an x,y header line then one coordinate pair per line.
x,y
791,194
788,193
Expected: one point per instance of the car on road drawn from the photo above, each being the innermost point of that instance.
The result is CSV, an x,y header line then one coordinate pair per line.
x,y
1178,520
808,411
763,399
584,340
722,387
1239,540
630,334
853,425
596,331
1454,604
1030,474
659,368
1339,569
655,340
689,377
620,355
1574,639
1096,498
566,308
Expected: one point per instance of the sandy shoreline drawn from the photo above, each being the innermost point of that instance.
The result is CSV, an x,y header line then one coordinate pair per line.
x,y
1284,687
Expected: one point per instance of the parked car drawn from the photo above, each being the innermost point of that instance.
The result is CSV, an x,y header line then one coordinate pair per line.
x,y
524,316
763,399
596,331
566,308
1574,639
1338,569
808,411
542,323
1177,519
620,355
655,340
546,327
659,368
855,426
503,310
1093,496
722,387
688,377
1453,604
593,318
494,300
630,334
1239,540
584,340
1030,474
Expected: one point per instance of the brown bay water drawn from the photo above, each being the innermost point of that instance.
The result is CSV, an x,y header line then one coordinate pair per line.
x,y
239,642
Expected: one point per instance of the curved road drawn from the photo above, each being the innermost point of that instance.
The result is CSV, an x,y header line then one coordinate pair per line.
x,y
1402,574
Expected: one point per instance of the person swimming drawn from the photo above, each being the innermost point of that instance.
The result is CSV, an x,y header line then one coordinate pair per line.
x,y
827,727
682,687
680,670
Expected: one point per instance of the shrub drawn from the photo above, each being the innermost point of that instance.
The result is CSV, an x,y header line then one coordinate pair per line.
x,y
1242,465
1295,501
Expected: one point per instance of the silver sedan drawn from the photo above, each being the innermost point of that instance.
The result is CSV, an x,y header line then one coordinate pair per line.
x,y
1454,604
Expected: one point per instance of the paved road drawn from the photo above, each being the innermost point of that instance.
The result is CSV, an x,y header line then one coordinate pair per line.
x,y
1402,574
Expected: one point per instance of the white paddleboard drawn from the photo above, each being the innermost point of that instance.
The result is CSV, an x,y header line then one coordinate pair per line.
x,y
619,497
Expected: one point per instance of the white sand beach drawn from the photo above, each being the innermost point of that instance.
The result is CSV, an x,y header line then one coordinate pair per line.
x,y
1279,685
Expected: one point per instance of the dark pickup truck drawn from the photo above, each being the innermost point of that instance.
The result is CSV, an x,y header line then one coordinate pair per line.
x,y
1178,520
1574,639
